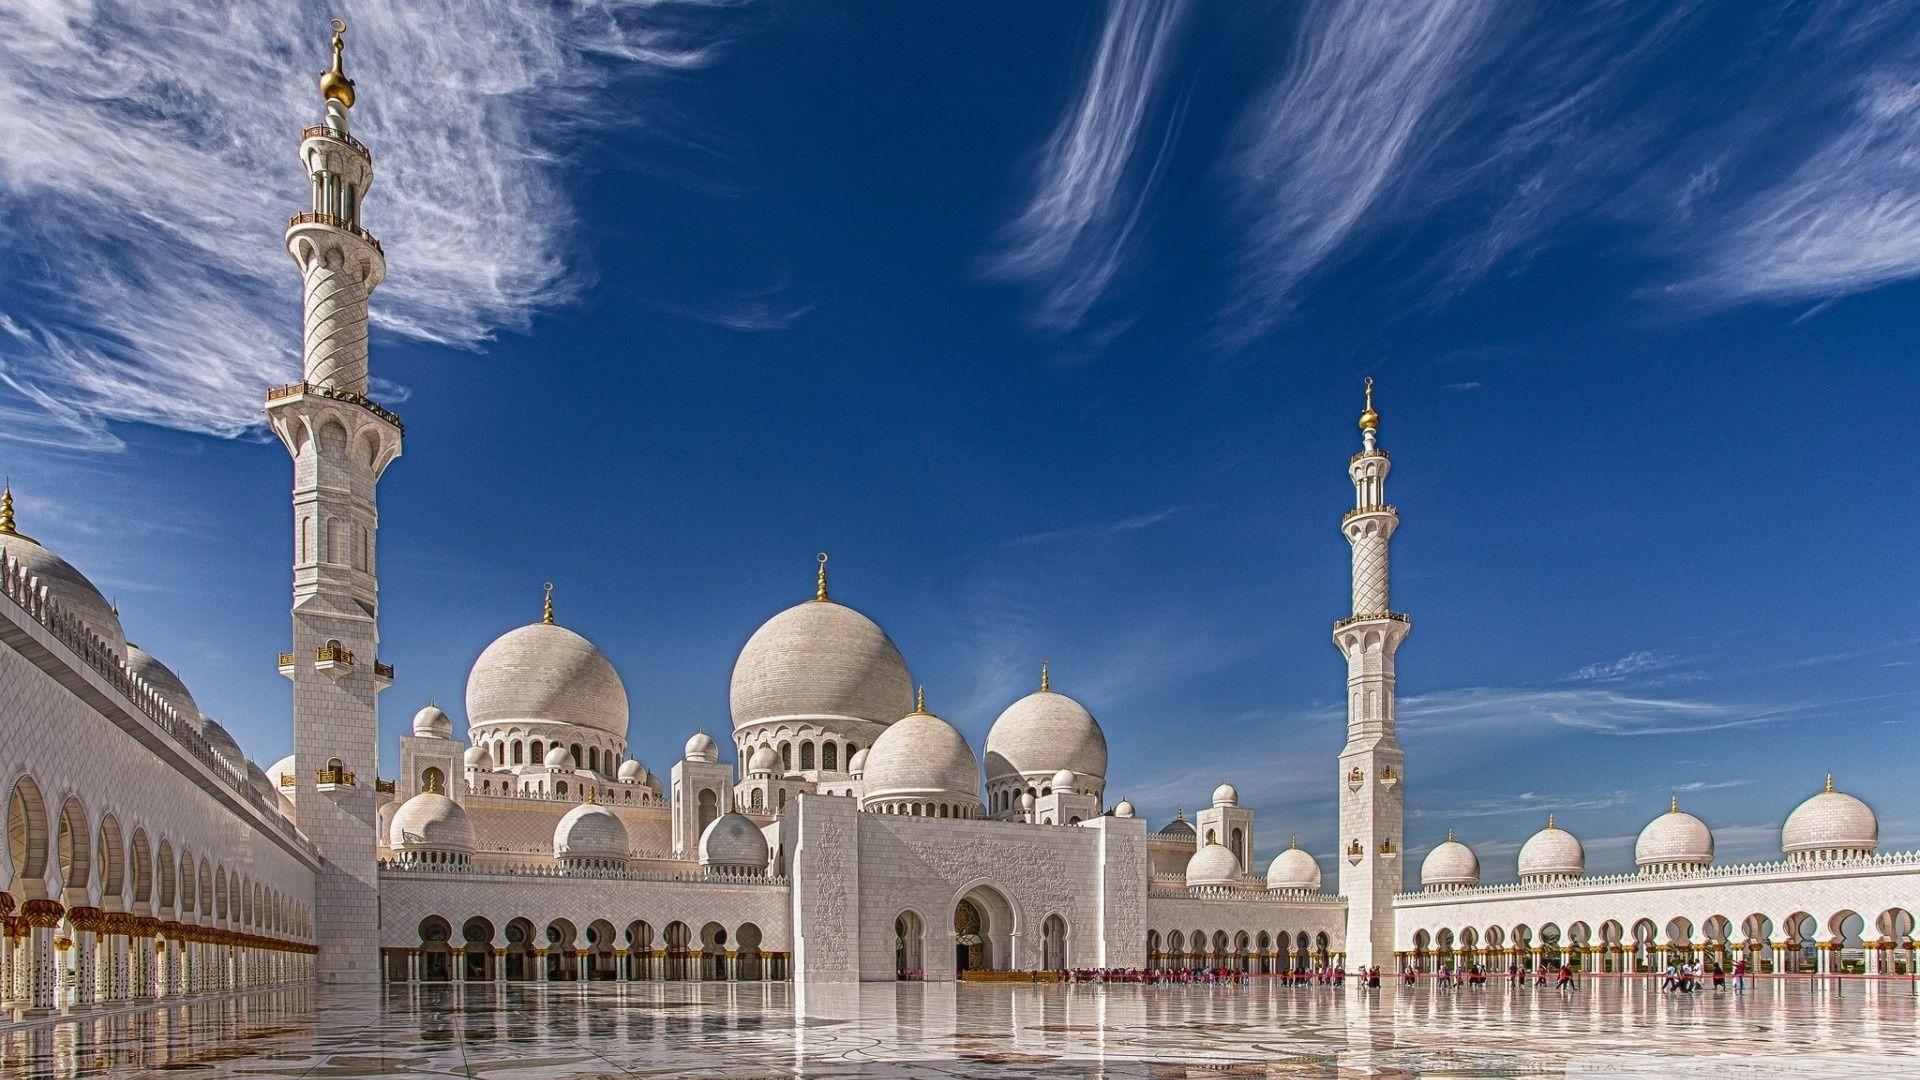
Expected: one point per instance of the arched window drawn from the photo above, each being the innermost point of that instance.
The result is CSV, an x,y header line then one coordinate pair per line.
x,y
336,547
536,753
518,752
709,808
433,780
306,538
577,756
828,759
786,757
593,758
755,800
806,756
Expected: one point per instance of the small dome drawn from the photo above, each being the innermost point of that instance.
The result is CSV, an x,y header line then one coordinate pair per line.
x,y
66,586
1213,865
764,761
921,756
1552,852
222,742
1027,800
857,764
1179,826
431,822
820,659
164,682
1123,809
1831,822
1674,839
559,757
432,722
1452,863
702,748
282,775
257,780
1293,870
1063,782
479,757
546,673
590,831
733,841
1044,733
632,772
1225,795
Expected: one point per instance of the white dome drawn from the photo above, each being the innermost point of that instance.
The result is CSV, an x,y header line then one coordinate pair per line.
x,y
1027,800
548,674
163,681
857,764
1552,852
1675,838
1043,733
68,587
733,841
1450,863
632,772
921,756
764,760
222,742
1213,865
1225,795
702,748
430,822
281,773
432,722
1293,870
257,779
559,757
590,831
820,659
1063,782
1123,809
479,757
1832,821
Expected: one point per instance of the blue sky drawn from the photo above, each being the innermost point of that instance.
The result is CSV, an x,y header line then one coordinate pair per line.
x,y
1048,322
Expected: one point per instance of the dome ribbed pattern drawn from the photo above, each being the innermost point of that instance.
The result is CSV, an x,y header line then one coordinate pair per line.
x,y
819,659
547,673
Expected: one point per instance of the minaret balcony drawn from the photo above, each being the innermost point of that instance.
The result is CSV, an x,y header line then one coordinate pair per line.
x,y
1382,508
322,131
287,664
383,787
332,780
315,217
382,674
1372,616
332,660
300,389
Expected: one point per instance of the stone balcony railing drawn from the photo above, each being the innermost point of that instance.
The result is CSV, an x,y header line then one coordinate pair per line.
x,y
336,394
26,593
1370,616
322,131
706,876
1378,508
319,217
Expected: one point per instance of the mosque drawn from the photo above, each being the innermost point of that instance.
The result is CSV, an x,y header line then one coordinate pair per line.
x,y
848,833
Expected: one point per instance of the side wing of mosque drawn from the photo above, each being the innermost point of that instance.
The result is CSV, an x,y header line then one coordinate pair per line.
x,y
854,835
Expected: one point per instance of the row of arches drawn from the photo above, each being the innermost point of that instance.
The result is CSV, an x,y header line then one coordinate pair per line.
x,y
921,808
517,748
561,951
1250,952
804,752
1841,942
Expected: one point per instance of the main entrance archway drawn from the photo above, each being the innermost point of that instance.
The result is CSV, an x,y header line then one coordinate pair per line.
x,y
983,931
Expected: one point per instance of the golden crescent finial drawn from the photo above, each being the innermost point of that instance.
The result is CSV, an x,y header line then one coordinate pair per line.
x,y
334,84
1673,807
546,615
339,26
1550,819
920,700
1046,684
1829,783
1369,420
820,593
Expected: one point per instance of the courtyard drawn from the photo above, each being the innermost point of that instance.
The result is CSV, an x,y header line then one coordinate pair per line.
x,y
1850,1027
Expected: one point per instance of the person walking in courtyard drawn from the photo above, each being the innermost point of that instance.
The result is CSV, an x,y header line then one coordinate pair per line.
x,y
1567,986
1740,976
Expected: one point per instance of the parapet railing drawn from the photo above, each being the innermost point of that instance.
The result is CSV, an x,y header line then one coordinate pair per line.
x,y
1370,616
320,217
322,131
707,876
1707,873
23,588
337,394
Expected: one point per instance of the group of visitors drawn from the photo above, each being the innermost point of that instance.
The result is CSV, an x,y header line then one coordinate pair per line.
x,y
1687,978
1330,975
1474,977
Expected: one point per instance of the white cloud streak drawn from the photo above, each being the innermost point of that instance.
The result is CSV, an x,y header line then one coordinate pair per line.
x,y
1096,171
150,167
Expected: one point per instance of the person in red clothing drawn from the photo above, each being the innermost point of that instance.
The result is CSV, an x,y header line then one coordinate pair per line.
x,y
1566,981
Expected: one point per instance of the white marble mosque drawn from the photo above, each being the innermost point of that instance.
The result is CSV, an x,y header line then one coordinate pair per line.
x,y
844,833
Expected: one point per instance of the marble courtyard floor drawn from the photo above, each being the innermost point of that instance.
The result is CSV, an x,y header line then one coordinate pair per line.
x,y
943,1030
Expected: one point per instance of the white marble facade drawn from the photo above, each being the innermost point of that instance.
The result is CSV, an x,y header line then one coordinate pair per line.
x,y
856,835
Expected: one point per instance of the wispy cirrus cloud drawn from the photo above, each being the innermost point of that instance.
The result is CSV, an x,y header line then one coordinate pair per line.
x,y
1095,173
1146,519
149,168
1638,660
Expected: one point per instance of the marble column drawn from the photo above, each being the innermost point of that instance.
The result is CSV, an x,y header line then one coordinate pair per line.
x,y
540,965
499,965
41,917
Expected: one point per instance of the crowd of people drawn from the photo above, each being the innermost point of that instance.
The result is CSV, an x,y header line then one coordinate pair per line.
x,y
1331,975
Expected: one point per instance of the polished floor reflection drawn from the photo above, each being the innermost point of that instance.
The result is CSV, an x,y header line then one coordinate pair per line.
x,y
943,1030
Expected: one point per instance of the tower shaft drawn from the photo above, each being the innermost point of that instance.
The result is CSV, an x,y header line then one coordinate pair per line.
x,y
340,442
1372,778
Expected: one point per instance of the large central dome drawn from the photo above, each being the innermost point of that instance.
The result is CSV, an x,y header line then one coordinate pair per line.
x,y
820,659
546,672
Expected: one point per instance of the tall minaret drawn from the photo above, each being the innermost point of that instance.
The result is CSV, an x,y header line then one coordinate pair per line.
x,y
341,442
1372,787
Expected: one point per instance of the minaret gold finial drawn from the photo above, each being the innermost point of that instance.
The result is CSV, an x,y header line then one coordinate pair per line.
x,y
546,614
1829,783
593,797
1046,685
6,512
820,593
920,700
1293,844
1449,834
433,785
1674,806
334,84
1369,420
1550,819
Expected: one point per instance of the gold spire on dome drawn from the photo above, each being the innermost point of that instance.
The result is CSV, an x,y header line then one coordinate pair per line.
x,y
920,700
1449,834
1046,686
820,593
1674,806
433,784
593,797
1293,844
1369,420
334,84
1829,783
6,512
546,612
1550,823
